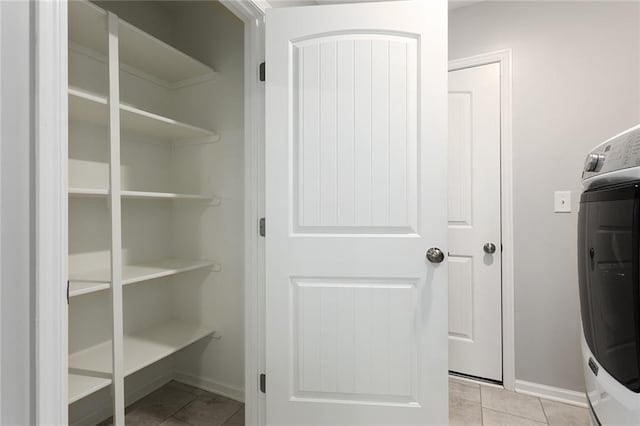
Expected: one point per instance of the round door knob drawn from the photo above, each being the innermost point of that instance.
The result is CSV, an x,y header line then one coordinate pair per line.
x,y
490,248
435,255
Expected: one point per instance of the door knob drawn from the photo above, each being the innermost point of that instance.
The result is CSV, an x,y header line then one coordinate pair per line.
x,y
490,248
435,255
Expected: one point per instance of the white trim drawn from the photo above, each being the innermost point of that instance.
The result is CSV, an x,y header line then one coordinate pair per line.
x,y
252,12
209,385
565,396
115,199
1,286
51,213
247,10
503,57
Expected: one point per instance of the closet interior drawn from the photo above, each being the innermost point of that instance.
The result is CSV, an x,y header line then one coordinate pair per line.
x,y
156,191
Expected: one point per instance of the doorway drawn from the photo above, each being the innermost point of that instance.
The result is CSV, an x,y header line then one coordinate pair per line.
x,y
480,249
235,138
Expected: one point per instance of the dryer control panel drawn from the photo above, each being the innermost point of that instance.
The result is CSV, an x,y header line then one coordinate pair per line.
x,y
619,152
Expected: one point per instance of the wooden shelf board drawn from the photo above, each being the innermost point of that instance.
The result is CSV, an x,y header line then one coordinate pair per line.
x,y
143,348
145,52
81,386
94,192
138,121
88,25
138,49
163,268
88,107
93,108
87,192
92,281
78,288
165,195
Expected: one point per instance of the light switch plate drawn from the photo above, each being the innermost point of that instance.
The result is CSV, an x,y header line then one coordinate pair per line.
x,y
562,202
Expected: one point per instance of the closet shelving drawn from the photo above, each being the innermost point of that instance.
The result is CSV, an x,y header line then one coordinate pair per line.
x,y
92,108
87,192
141,349
140,52
81,385
143,56
92,281
93,192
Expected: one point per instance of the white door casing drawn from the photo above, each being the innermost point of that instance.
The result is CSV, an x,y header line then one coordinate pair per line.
x,y
475,314
355,194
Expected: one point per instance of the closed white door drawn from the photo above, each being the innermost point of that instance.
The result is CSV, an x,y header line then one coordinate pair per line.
x,y
475,302
356,316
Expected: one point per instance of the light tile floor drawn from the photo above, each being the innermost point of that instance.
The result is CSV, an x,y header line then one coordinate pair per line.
x,y
470,404
177,404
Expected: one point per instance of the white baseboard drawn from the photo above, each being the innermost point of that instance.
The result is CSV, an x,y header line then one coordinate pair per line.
x,y
104,412
220,388
549,392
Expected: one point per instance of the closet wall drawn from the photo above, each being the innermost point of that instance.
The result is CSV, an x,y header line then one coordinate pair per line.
x,y
209,32
206,225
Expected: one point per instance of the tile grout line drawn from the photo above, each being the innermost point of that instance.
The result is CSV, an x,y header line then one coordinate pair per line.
x,y
546,420
515,415
234,413
178,409
543,410
481,406
195,396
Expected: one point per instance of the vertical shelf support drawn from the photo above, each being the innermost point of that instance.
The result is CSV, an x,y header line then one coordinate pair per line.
x,y
116,226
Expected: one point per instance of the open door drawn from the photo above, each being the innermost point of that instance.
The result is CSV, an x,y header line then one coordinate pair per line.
x,y
356,122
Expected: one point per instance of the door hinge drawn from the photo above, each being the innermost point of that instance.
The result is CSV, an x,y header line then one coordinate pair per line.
x,y
67,292
263,383
262,227
262,71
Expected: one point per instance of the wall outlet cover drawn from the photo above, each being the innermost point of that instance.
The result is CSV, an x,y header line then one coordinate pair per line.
x,y
562,202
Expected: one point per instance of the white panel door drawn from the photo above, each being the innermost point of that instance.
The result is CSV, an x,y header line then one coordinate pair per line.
x,y
356,327
475,312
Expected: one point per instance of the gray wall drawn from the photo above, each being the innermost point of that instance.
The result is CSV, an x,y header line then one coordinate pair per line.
x,y
16,348
576,82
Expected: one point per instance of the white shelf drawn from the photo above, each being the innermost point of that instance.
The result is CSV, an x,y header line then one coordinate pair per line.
x,y
92,281
87,192
81,386
78,288
88,107
149,195
135,120
93,108
141,349
168,196
138,50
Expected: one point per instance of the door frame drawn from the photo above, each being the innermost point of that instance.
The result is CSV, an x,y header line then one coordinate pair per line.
x,y
252,13
50,217
503,58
